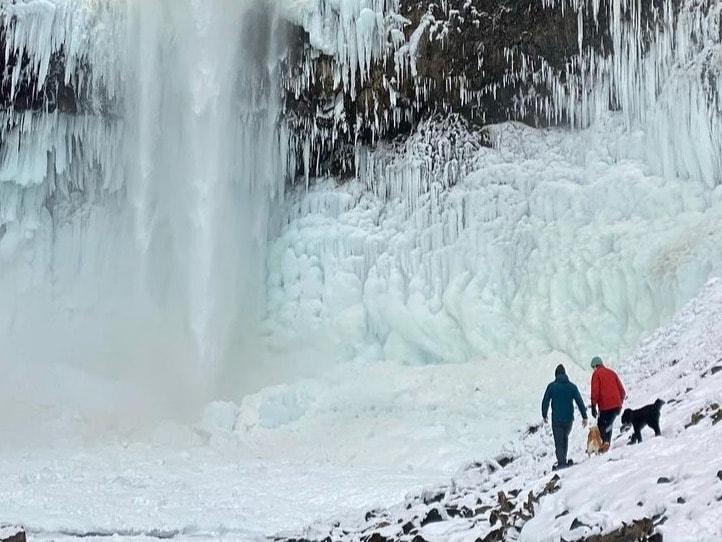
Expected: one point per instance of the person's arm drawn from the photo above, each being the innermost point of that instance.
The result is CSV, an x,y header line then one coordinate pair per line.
x,y
580,404
545,402
595,393
595,389
622,391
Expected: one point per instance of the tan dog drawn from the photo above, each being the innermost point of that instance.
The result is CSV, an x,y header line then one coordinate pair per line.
x,y
594,441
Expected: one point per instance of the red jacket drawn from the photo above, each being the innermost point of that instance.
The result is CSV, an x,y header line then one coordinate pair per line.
x,y
607,389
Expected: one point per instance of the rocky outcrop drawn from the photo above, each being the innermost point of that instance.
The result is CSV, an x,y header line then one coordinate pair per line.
x,y
12,533
485,60
498,518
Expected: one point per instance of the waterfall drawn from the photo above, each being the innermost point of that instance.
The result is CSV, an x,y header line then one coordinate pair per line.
x,y
134,229
204,153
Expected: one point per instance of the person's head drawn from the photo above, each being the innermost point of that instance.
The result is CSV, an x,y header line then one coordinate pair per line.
x,y
596,362
560,370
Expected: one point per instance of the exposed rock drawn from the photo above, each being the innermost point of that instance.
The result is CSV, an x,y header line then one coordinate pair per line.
x,y
376,537
713,410
640,530
576,524
12,533
433,516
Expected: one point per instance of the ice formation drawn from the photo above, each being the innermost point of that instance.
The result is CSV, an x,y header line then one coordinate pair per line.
x,y
156,214
147,209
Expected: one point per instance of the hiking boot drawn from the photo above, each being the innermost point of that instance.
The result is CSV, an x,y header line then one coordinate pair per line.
x,y
570,462
604,447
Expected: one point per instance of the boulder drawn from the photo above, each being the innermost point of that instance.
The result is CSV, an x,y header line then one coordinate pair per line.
x,y
12,533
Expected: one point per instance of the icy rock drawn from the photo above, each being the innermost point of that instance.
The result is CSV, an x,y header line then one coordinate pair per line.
x,y
12,533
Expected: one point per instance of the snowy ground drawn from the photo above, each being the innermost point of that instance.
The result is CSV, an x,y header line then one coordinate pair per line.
x,y
337,439
205,482
674,482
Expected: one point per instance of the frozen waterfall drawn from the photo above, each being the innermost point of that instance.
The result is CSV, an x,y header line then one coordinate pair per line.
x,y
134,231
156,233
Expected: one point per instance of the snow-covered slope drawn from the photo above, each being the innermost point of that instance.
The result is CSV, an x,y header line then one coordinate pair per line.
x,y
669,486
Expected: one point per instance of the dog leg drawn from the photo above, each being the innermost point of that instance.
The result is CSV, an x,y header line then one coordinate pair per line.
x,y
655,426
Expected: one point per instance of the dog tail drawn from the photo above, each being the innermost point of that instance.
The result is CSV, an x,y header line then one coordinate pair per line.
x,y
658,403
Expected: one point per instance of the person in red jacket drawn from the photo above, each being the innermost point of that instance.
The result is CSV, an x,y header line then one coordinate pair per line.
x,y
608,394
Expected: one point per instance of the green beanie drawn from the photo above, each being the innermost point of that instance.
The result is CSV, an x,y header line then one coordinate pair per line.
x,y
596,360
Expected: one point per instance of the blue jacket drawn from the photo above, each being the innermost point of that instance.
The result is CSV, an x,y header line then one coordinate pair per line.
x,y
562,394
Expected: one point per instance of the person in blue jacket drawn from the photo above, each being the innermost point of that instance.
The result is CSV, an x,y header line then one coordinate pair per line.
x,y
562,394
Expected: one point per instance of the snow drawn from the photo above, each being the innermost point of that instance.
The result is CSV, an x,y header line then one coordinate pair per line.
x,y
207,481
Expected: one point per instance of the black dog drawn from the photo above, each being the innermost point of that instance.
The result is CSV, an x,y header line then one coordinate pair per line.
x,y
647,415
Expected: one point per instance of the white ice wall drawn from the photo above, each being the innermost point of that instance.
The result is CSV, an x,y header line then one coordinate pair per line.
x,y
548,242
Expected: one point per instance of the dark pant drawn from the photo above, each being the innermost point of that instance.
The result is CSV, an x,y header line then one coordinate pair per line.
x,y
605,422
561,440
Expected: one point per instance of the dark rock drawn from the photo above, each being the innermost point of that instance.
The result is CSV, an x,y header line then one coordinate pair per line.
x,y
433,516
663,480
719,474
463,512
551,486
576,524
430,497
12,533
494,536
695,419
377,537
637,531
504,504
374,514
717,416
504,460
681,500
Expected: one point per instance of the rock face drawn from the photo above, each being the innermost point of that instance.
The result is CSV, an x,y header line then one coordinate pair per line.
x,y
486,60
12,533
483,59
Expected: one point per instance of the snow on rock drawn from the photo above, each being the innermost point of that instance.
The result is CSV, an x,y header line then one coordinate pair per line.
x,y
668,486
12,533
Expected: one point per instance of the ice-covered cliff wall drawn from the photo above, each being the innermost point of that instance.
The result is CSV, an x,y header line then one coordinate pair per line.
x,y
146,147
577,243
